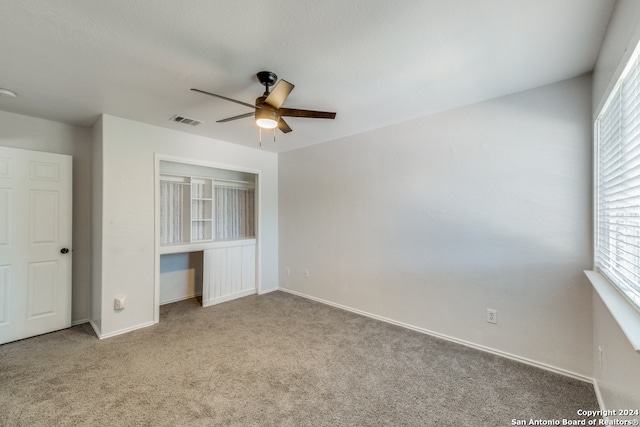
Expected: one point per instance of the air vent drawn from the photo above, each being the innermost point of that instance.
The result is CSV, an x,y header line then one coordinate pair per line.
x,y
185,120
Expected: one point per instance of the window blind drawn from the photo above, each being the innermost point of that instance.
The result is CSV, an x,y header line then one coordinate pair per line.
x,y
617,243
234,212
171,212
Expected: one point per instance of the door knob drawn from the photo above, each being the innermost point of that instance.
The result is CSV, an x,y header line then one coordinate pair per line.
x,y
64,251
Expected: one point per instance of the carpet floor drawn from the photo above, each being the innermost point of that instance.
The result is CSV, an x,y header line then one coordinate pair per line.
x,y
272,360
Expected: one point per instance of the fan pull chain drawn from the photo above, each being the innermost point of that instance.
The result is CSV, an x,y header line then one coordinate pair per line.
x,y
260,136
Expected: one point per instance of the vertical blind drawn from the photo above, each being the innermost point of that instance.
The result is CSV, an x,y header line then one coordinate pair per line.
x,y
233,212
617,243
171,211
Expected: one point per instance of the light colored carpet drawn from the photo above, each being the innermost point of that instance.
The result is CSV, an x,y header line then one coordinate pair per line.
x,y
274,359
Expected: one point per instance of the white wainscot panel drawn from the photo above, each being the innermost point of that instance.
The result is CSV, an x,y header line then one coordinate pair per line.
x,y
229,273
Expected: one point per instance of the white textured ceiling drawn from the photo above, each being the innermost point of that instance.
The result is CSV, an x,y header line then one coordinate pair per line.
x,y
374,62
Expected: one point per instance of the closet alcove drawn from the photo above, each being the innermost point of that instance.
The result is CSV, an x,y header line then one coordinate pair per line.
x,y
207,218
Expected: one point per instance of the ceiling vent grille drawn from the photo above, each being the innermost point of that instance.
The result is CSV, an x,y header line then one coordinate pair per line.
x,y
185,120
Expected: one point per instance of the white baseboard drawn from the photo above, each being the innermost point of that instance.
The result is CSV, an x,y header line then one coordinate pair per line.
x,y
266,291
227,298
181,298
95,327
599,395
120,332
541,365
79,322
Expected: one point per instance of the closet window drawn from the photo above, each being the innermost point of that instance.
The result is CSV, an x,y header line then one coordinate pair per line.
x,y
200,209
233,212
172,213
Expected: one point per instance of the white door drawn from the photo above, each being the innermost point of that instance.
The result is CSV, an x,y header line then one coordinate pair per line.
x,y
35,243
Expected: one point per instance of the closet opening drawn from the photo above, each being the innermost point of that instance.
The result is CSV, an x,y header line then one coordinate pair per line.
x,y
206,232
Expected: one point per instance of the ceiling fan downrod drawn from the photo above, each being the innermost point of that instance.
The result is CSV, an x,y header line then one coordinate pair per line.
x,y
267,79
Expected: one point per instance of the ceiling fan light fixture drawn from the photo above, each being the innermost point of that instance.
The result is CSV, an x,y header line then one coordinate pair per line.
x,y
266,119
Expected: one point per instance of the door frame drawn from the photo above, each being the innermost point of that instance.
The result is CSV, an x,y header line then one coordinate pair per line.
x,y
188,161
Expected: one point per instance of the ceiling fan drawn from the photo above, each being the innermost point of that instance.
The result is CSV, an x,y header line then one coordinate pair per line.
x,y
268,110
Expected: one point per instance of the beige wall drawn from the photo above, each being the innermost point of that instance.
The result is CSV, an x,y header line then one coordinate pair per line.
x,y
430,222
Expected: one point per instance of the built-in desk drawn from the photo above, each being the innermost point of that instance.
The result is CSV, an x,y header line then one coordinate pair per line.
x,y
229,268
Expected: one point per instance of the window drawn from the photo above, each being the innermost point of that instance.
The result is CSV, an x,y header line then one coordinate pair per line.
x,y
617,181
197,209
233,212
174,194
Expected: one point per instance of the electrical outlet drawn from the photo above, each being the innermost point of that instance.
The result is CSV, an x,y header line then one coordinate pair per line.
x,y
306,274
492,316
600,356
287,271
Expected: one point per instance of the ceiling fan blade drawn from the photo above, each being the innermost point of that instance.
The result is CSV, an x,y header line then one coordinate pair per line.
x,y
295,112
279,93
241,116
283,126
225,98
